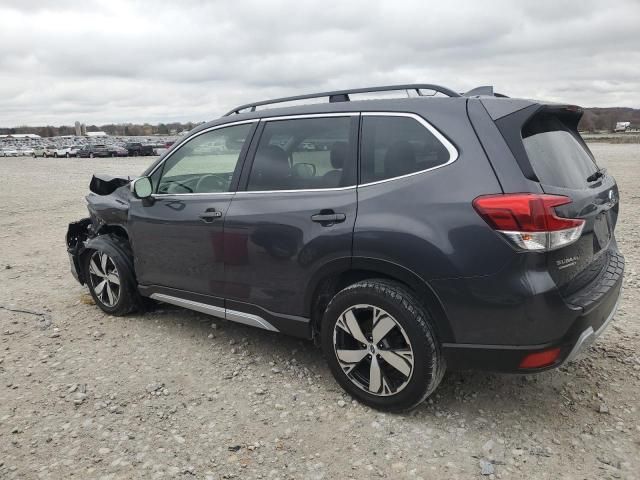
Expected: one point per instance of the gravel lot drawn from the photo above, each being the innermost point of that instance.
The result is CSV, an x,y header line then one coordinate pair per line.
x,y
176,394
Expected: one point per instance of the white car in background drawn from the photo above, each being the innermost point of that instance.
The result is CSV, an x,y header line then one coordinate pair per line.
x,y
25,152
73,151
43,151
62,152
9,152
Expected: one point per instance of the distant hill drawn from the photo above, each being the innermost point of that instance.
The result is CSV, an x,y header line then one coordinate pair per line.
x,y
595,119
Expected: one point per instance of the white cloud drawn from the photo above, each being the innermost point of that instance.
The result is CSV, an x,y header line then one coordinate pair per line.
x,y
118,61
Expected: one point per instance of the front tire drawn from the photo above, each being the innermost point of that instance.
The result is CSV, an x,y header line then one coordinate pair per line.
x,y
106,271
381,346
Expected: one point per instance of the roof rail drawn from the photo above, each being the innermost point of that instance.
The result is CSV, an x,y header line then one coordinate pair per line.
x,y
343,95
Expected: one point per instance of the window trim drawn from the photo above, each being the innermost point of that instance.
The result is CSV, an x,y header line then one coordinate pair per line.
x,y
241,157
453,151
251,155
250,151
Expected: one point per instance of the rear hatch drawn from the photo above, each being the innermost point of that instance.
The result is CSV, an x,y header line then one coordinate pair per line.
x,y
546,144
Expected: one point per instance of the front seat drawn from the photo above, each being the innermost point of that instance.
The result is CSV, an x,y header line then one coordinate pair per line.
x,y
400,159
339,152
272,169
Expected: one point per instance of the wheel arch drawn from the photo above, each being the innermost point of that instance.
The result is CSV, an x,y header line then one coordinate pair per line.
x,y
335,276
114,229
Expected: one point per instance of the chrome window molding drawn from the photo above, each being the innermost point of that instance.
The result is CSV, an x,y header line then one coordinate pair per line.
x,y
453,152
242,193
451,149
206,130
297,117
204,194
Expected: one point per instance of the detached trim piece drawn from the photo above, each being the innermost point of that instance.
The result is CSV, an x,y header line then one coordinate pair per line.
x,y
231,315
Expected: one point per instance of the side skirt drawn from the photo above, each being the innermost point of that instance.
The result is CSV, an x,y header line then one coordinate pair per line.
x,y
234,311
233,315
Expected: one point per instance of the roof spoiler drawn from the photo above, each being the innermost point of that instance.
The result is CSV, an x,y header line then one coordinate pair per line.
x,y
483,91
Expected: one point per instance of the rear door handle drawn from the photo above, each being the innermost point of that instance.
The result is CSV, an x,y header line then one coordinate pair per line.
x,y
329,217
210,215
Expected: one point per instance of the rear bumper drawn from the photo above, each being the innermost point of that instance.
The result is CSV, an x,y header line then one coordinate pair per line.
x,y
591,317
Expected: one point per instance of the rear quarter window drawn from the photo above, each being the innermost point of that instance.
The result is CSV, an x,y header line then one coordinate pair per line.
x,y
393,146
557,154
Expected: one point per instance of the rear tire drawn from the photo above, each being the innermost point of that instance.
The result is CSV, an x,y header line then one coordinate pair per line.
x,y
107,271
381,346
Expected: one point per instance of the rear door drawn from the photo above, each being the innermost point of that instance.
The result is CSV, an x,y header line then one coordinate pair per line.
x,y
564,165
295,215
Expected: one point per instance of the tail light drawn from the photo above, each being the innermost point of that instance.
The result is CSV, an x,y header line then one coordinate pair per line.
x,y
529,221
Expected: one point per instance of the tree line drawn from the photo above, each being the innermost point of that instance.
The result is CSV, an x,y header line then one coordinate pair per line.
x,y
598,119
119,129
594,119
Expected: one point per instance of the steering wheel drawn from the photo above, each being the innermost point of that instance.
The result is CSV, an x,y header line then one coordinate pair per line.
x,y
171,187
212,183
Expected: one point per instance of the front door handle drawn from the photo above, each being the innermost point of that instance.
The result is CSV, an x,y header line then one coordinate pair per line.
x,y
210,215
328,217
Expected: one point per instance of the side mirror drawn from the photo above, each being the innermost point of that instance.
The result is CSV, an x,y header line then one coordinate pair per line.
x,y
141,187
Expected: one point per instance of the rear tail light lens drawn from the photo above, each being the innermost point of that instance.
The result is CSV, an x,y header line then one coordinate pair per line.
x,y
529,220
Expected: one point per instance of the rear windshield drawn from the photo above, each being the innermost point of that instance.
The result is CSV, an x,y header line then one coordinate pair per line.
x,y
557,154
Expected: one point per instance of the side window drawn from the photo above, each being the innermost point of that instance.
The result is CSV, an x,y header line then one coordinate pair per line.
x,y
206,163
307,153
395,146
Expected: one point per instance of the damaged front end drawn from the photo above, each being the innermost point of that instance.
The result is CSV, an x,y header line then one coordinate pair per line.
x,y
108,206
77,235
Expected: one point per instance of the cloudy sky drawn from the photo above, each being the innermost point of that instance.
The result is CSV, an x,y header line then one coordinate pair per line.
x,y
156,61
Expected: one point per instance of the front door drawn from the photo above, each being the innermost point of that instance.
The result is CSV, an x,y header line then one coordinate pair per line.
x,y
177,233
294,217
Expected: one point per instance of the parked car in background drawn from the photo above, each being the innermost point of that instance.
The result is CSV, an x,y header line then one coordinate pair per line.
x,y
9,152
137,149
118,151
73,151
62,152
91,151
43,151
25,151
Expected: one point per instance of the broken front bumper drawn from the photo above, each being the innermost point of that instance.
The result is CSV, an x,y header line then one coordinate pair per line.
x,y
77,234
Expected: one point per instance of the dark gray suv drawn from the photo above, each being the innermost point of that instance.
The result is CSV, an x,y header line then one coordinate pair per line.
x,y
405,235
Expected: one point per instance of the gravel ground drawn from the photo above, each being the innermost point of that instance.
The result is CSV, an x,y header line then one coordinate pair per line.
x,y
176,394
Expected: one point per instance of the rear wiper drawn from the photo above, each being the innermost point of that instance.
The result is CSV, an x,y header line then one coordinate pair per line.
x,y
596,175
